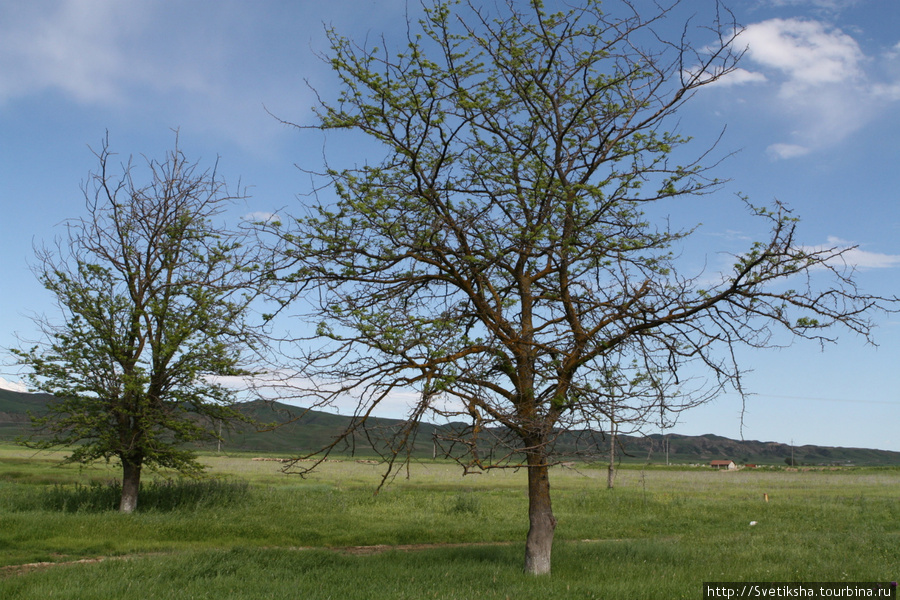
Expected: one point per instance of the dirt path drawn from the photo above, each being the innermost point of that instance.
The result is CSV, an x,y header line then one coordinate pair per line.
x,y
12,570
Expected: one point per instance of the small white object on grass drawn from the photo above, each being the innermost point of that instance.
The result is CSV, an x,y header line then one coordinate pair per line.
x,y
752,523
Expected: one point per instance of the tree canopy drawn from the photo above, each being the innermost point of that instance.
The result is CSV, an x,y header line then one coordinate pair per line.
x,y
502,258
154,295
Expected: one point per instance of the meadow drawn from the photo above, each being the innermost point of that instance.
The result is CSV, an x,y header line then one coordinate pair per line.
x,y
249,531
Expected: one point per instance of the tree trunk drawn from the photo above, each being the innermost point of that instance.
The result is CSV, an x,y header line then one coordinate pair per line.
x,y
611,472
131,483
542,524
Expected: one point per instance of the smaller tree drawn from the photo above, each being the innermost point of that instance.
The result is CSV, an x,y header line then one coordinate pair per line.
x,y
155,297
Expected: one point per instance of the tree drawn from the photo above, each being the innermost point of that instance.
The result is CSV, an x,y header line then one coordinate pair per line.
x,y
500,259
154,296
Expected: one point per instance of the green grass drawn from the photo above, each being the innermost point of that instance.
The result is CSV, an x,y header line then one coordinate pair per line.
x,y
256,533
166,495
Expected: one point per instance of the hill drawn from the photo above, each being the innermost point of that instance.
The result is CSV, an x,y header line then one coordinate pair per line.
x,y
293,431
14,409
19,403
704,448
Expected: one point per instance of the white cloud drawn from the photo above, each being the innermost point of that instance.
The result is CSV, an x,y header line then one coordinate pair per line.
x,y
828,5
787,150
261,217
870,260
893,53
808,53
740,77
855,257
815,77
211,68
74,47
167,62
18,386
887,92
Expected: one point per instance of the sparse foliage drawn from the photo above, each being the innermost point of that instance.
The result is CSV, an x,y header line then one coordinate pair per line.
x,y
154,296
499,260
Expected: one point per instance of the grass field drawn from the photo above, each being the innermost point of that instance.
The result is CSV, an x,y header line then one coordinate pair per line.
x,y
253,532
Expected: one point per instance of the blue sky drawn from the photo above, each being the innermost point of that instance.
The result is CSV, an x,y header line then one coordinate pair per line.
x,y
811,117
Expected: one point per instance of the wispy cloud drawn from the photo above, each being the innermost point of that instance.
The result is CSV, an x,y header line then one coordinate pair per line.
x,y
152,61
817,78
217,66
828,5
788,150
90,51
261,217
855,257
740,77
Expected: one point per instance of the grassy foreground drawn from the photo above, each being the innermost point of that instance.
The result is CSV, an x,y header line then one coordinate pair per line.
x,y
255,533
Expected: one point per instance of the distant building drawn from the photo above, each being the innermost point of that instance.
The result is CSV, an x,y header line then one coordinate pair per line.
x,y
723,464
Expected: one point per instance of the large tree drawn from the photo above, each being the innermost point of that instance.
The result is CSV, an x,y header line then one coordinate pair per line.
x,y
154,294
500,258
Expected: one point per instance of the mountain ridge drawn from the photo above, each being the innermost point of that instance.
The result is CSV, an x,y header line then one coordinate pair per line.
x,y
297,431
